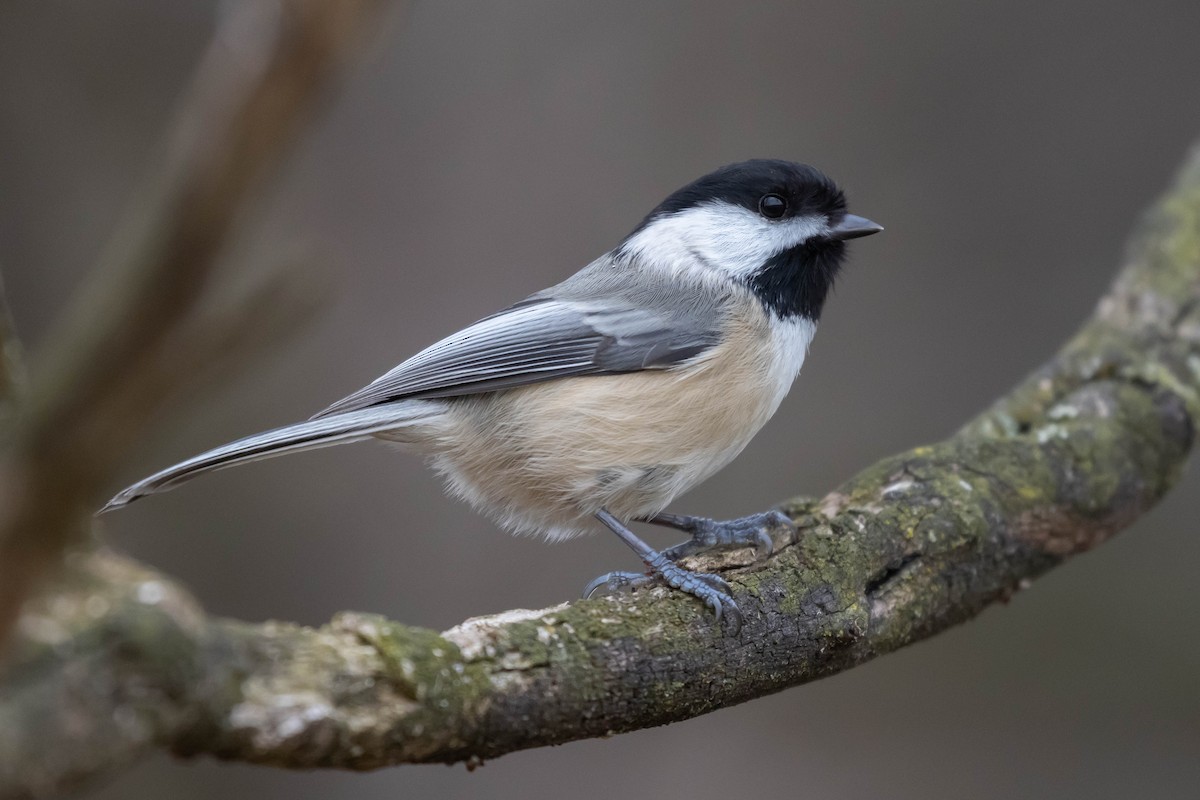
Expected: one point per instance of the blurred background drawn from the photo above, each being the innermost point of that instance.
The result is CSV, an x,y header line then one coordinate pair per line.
x,y
479,152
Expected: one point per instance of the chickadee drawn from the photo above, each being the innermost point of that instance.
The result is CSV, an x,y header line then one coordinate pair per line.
x,y
630,382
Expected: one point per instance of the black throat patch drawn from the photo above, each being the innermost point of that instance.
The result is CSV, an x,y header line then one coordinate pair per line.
x,y
794,283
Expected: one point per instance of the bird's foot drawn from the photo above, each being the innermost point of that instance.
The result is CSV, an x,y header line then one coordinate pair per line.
x,y
710,535
712,589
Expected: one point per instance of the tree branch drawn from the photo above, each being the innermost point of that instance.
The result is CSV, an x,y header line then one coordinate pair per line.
x,y
115,658
105,368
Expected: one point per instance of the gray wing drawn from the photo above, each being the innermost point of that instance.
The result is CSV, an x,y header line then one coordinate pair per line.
x,y
539,339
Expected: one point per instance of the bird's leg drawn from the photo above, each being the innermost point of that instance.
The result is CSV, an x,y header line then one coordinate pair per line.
x,y
708,534
712,589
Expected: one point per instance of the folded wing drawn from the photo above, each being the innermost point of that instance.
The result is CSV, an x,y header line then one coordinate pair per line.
x,y
537,340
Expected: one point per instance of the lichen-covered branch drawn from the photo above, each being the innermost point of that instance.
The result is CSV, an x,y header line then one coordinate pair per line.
x,y
114,658
102,373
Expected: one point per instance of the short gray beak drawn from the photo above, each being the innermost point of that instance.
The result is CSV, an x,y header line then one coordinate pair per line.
x,y
853,226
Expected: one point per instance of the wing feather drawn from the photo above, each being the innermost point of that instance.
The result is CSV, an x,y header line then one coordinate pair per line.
x,y
537,340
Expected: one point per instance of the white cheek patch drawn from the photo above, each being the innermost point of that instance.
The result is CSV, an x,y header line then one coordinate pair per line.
x,y
721,236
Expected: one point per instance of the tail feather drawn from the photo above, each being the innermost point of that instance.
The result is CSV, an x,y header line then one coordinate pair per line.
x,y
308,435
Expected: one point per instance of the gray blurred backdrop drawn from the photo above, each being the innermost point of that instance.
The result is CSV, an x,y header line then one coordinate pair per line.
x,y
481,151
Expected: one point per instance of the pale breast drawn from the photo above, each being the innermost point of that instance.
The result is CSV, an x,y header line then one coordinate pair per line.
x,y
544,458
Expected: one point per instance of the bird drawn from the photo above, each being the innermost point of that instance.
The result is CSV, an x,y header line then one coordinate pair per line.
x,y
606,396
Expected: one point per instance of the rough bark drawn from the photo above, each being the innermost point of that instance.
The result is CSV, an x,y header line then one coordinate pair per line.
x,y
113,658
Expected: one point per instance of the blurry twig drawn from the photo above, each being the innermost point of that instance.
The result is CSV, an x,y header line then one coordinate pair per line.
x,y
102,373
13,380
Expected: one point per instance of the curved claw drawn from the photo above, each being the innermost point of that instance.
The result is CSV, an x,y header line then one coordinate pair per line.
x,y
724,607
614,582
734,615
777,519
712,589
764,545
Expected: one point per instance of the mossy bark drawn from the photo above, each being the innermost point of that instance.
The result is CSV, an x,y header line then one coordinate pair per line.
x,y
113,658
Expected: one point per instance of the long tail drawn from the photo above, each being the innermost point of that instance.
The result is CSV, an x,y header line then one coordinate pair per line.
x,y
337,429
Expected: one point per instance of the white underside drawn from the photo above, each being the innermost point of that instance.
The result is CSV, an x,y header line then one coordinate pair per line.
x,y
542,459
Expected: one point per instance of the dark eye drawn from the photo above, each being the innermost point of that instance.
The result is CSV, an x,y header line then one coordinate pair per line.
x,y
772,206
